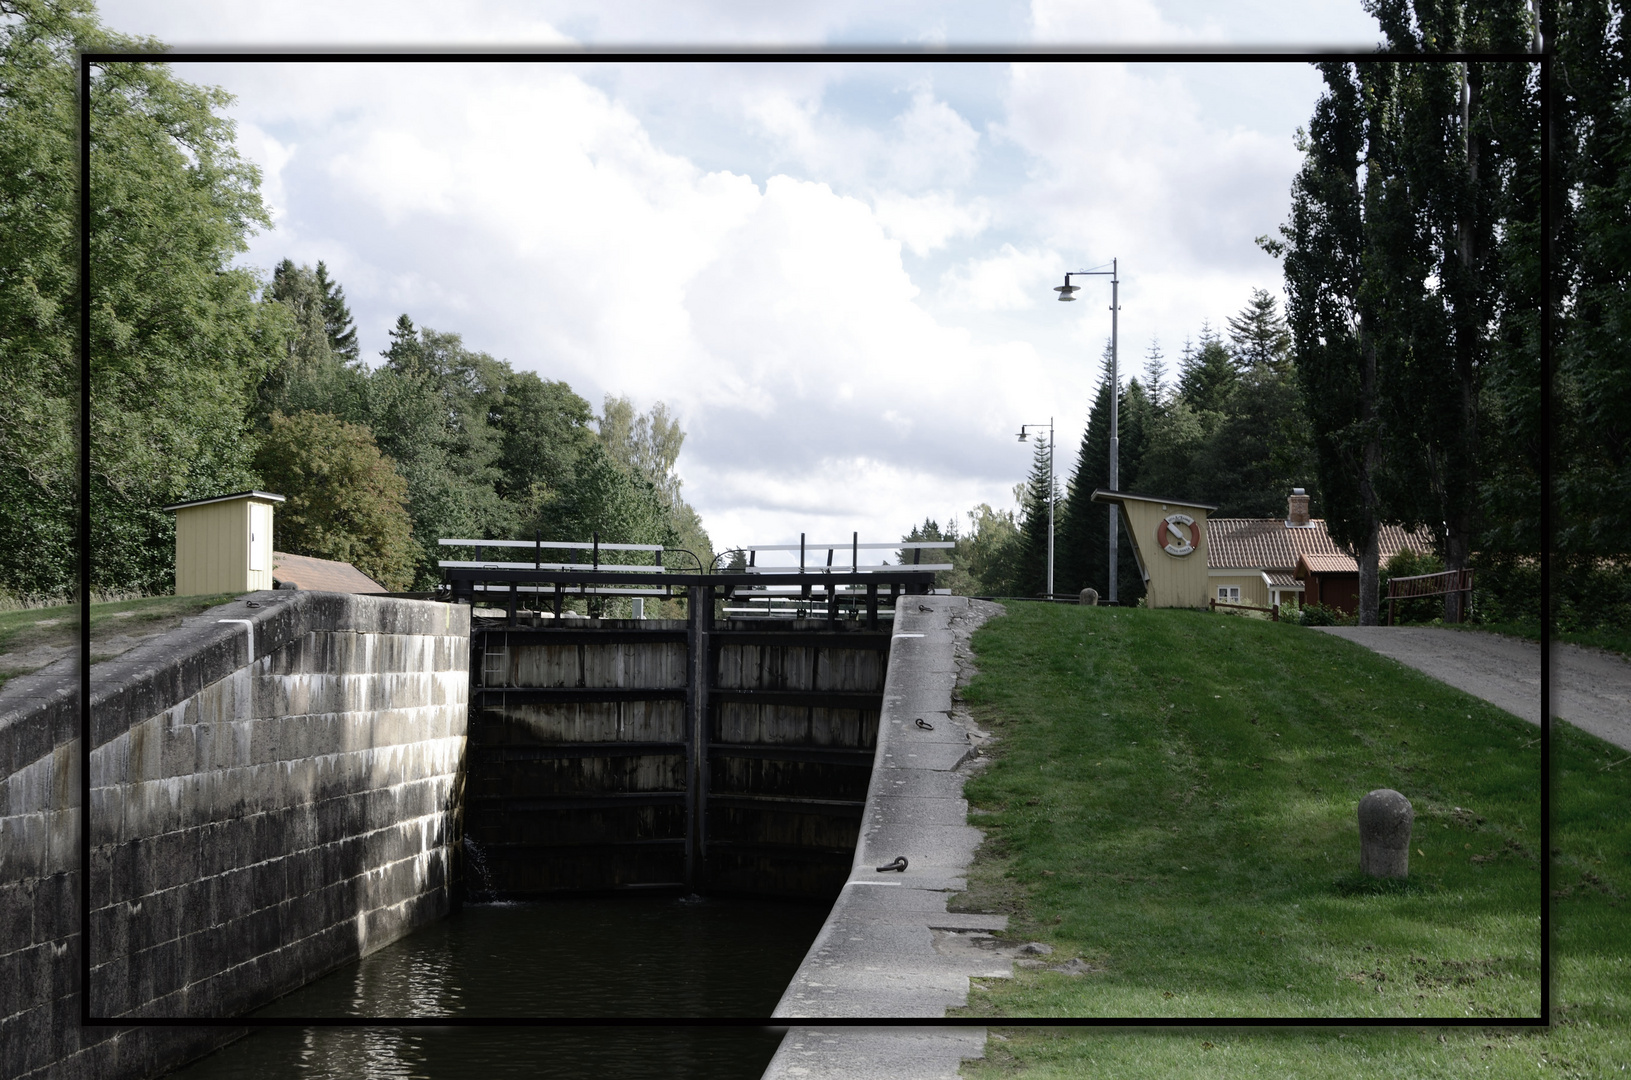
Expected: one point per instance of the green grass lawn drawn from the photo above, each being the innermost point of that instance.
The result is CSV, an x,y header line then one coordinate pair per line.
x,y
58,627
1173,801
1591,984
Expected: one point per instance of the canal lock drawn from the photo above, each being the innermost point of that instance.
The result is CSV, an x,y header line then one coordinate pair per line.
x,y
694,755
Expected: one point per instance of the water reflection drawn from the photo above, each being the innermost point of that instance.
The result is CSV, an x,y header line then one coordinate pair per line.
x,y
616,957
492,1053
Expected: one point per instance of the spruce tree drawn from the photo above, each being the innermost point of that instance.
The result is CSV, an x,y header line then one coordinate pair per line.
x,y
1033,525
341,331
1155,372
1208,373
1258,335
1082,552
310,376
404,352
296,288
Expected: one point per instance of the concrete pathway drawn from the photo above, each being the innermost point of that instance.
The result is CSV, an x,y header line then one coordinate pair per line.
x,y
1591,689
890,949
864,1053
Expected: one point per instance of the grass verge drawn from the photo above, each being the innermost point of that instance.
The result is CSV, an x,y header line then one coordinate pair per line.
x,y
1173,802
45,632
1615,641
1591,987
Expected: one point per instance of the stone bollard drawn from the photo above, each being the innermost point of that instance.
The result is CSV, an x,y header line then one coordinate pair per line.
x,y
1385,817
1089,596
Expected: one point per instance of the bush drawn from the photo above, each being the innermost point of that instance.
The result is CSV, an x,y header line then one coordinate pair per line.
x,y
1591,594
1321,615
1506,590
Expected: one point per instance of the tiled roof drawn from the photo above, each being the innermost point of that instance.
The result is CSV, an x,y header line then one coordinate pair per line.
x,y
1279,579
323,575
1328,564
1268,544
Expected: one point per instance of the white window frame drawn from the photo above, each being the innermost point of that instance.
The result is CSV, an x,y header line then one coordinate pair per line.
x,y
1229,594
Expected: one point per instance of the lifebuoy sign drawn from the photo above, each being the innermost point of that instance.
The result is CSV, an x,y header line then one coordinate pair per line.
x,y
1178,534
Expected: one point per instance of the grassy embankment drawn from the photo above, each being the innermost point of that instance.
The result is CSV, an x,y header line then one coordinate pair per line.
x,y
57,628
1173,801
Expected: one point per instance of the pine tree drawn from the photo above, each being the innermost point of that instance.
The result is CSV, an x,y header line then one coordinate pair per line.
x,y
341,331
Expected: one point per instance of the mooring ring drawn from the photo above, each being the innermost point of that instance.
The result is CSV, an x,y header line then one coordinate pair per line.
x,y
924,724
898,864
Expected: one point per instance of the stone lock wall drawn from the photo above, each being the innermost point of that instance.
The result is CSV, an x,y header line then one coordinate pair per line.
x,y
270,798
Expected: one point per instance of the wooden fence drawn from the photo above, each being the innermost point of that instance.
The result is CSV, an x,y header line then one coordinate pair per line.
x,y
1440,584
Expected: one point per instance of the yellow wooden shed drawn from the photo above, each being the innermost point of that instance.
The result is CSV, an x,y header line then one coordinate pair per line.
x,y
1169,544
224,544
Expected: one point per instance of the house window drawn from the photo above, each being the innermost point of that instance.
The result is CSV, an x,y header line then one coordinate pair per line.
x,y
1229,593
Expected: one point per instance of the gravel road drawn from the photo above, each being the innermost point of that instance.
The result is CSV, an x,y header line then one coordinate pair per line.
x,y
1591,689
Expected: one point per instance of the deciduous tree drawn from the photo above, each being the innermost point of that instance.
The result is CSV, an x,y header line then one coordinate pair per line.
x,y
178,341
345,500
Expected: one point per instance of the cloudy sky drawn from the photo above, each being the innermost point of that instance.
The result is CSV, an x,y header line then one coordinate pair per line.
x,y
839,273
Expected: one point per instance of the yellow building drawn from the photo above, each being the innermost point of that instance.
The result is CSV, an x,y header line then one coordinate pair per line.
x,y
224,544
1170,545
1188,557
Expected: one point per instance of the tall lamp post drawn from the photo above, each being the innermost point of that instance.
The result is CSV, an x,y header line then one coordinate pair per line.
x,y
1066,292
1023,437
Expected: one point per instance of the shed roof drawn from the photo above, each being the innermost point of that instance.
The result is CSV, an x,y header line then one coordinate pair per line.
x,y
265,496
323,575
1271,544
1327,564
1279,579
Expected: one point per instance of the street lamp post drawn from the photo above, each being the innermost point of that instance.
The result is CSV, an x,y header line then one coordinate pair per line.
x,y
1065,292
1023,438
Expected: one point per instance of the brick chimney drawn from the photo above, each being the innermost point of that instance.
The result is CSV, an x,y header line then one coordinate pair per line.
x,y
1297,509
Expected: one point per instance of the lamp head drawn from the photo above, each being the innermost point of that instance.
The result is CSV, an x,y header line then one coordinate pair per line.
x,y
1067,290
1021,434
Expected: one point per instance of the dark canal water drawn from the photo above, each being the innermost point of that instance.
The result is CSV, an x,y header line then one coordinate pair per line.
x,y
584,958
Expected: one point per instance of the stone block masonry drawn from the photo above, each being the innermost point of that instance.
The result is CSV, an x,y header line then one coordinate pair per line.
x,y
271,797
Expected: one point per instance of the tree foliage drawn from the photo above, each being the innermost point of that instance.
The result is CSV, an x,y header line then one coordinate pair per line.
x,y
177,338
602,497
1206,374
984,559
1412,266
1083,559
1038,513
647,446
1589,130
345,500
485,451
